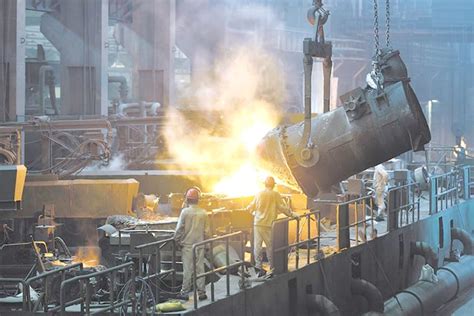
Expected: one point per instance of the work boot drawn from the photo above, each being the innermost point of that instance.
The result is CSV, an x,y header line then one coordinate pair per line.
x,y
202,296
182,296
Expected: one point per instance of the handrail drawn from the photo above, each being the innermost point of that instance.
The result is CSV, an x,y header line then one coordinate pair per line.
x,y
158,245
227,266
23,283
45,275
342,217
468,181
134,231
447,182
308,241
402,199
84,281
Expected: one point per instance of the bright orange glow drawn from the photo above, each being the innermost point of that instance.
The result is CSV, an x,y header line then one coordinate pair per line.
x,y
244,88
244,182
89,256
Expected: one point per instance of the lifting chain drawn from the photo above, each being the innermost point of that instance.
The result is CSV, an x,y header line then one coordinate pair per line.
x,y
375,63
376,72
387,24
376,29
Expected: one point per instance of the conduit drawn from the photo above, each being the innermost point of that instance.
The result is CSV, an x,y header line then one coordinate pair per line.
x,y
321,305
423,249
370,292
423,298
464,237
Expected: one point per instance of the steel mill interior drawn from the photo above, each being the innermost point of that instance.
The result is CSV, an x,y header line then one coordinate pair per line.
x,y
237,157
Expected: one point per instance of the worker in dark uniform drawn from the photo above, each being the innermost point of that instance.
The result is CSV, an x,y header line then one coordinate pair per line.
x,y
266,206
192,228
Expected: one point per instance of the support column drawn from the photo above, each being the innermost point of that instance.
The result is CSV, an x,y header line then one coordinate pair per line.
x,y
79,31
150,40
12,60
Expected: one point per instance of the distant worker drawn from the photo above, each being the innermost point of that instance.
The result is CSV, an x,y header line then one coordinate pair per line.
x,y
192,228
380,183
266,206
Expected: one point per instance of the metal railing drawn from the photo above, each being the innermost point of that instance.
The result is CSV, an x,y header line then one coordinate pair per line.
x,y
130,232
343,213
85,286
309,242
443,191
468,181
155,256
240,263
403,205
16,281
45,277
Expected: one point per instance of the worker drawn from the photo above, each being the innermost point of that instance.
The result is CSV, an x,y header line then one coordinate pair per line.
x,y
192,228
266,206
379,185
184,204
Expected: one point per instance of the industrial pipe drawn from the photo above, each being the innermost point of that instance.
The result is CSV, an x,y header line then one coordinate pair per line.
x,y
321,305
423,298
371,127
370,292
464,237
123,90
52,93
423,249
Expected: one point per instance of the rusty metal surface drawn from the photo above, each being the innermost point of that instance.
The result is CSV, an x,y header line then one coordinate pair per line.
x,y
369,128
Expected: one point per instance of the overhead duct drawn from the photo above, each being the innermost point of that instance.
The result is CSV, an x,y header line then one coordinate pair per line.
x,y
424,298
372,126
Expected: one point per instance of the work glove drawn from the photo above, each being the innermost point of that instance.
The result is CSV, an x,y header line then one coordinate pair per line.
x,y
294,215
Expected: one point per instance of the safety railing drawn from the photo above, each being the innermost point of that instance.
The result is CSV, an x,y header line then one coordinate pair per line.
x,y
443,191
16,282
153,252
403,205
123,299
228,265
468,181
130,232
312,241
358,209
45,279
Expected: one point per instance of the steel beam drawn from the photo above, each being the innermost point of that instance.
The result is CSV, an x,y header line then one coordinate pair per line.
x,y
150,40
12,60
79,31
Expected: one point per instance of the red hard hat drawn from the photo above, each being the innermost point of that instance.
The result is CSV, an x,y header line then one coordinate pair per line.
x,y
192,194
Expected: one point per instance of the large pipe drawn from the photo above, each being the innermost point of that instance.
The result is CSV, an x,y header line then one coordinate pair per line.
x,y
370,292
423,298
423,249
371,127
52,93
321,305
464,237
123,90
